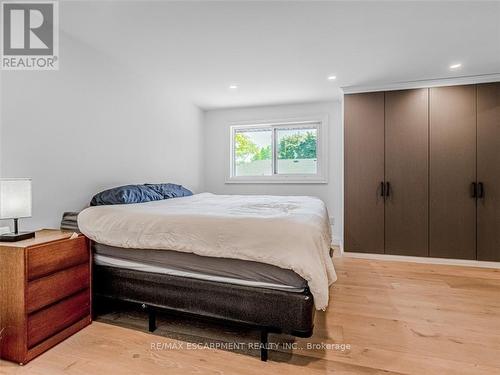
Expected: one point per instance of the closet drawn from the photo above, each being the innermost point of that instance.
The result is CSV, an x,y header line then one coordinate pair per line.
x,y
364,170
488,172
422,172
406,172
453,172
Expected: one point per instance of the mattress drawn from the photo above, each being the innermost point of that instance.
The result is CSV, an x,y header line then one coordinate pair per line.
x,y
223,270
289,232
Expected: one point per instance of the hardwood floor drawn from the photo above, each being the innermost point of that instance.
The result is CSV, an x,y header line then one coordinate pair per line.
x,y
398,318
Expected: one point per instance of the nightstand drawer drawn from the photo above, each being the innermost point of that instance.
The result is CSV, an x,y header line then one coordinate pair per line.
x,y
51,257
55,318
45,283
49,289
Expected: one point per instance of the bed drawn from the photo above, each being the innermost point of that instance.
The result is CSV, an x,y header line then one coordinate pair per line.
x,y
260,261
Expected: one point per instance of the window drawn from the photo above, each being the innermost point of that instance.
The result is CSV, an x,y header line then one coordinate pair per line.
x,y
253,152
281,151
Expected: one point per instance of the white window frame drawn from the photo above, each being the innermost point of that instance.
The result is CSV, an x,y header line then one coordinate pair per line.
x,y
321,177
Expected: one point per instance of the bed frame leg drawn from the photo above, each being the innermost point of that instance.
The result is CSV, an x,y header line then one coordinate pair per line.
x,y
151,317
263,345
152,320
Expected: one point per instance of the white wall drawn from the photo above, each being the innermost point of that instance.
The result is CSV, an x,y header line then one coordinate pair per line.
x,y
92,125
216,154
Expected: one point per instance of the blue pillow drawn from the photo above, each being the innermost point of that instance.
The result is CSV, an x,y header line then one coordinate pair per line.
x,y
170,190
126,195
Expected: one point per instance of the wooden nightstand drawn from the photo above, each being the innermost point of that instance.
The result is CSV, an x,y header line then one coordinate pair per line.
x,y
45,292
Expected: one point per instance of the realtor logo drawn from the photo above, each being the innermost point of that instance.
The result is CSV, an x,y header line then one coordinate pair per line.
x,y
30,35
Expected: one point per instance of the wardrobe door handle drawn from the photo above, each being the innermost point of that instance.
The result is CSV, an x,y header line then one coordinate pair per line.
x,y
473,190
382,189
387,189
480,190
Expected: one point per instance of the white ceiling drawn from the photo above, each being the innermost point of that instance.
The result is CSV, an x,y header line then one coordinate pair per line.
x,y
282,52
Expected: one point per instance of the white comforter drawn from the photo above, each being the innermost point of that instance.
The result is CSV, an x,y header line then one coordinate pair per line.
x,y
288,232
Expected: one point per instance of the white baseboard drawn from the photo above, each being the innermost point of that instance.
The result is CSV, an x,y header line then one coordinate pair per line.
x,y
402,258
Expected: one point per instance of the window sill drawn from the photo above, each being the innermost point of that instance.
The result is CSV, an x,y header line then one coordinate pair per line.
x,y
276,180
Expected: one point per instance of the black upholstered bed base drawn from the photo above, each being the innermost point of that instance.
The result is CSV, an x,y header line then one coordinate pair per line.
x,y
266,309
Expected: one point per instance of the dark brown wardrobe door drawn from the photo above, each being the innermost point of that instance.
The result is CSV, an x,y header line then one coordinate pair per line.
x,y
488,171
452,172
406,171
364,171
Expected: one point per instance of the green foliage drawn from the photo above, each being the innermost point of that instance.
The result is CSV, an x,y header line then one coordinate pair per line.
x,y
295,146
298,146
244,147
263,154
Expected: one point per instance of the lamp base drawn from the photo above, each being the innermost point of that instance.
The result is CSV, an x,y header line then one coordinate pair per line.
x,y
14,237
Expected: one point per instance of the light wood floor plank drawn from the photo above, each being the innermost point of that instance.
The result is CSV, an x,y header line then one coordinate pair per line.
x,y
397,317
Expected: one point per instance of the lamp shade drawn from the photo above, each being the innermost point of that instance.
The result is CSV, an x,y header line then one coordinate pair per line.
x,y
15,198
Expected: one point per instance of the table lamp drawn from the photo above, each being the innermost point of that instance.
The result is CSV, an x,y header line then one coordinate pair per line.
x,y
15,203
